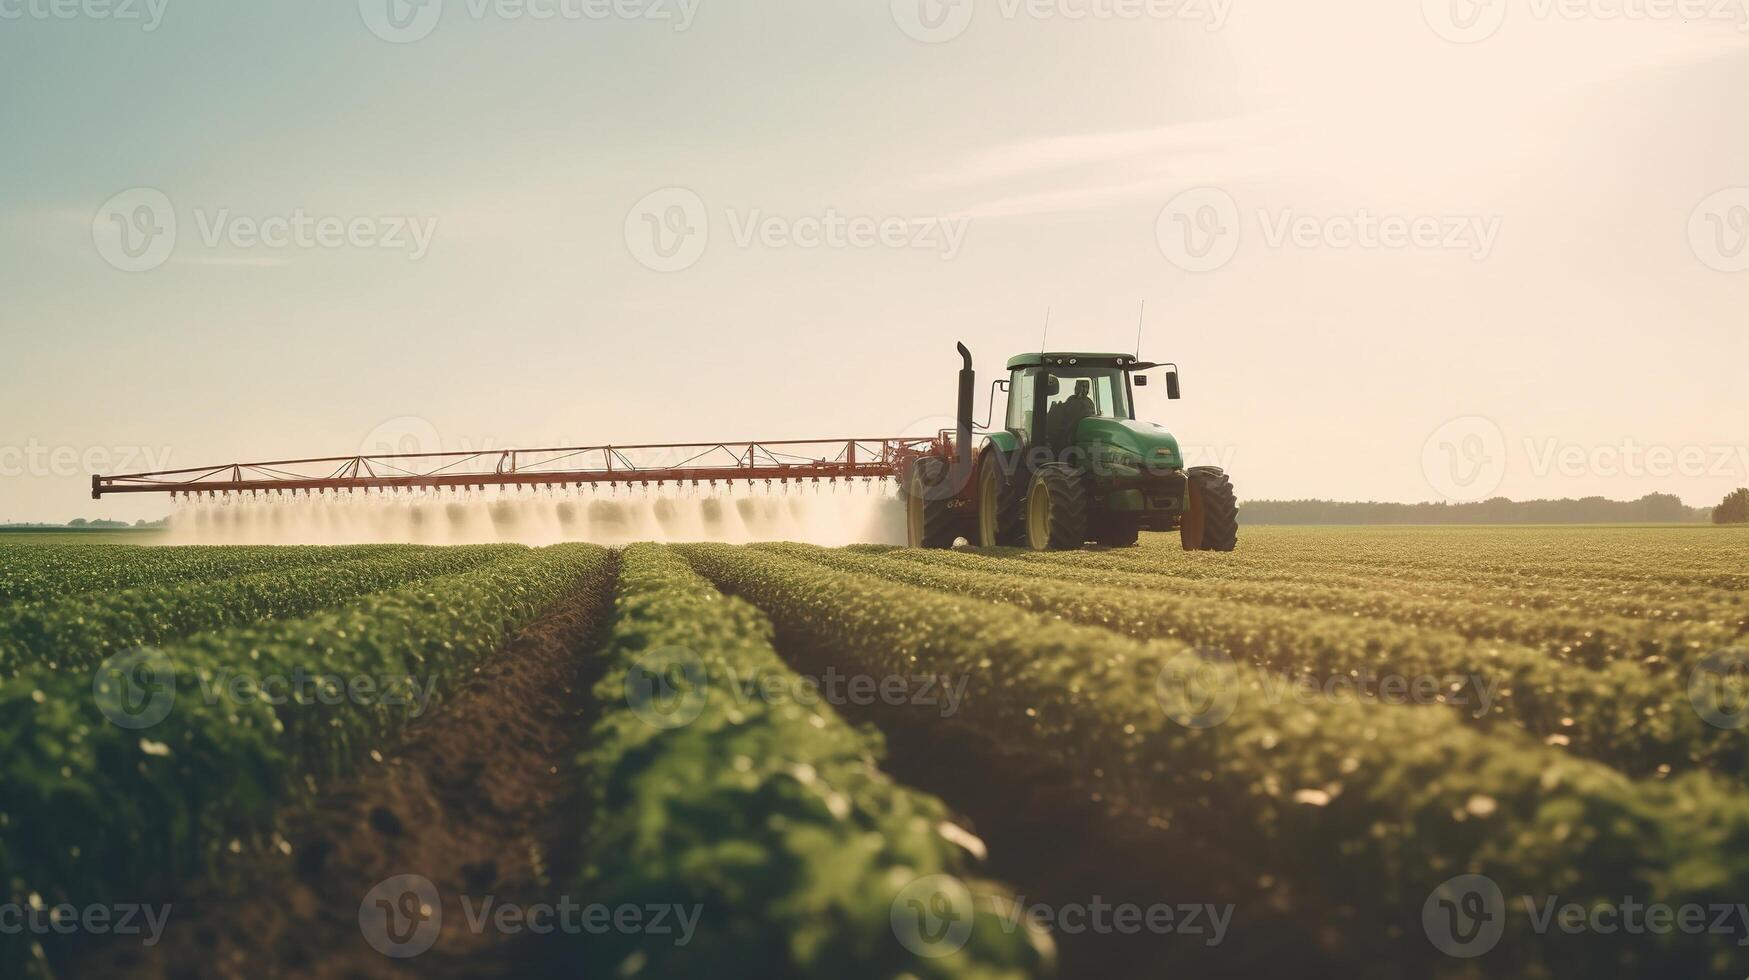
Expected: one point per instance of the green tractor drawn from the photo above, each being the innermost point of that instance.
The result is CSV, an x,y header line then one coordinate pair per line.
x,y
1069,465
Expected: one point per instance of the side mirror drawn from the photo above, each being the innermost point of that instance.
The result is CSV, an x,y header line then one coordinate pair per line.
x,y
1172,390
1141,381
1053,385
1002,385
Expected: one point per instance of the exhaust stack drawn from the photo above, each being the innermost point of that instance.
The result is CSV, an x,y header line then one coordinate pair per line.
x,y
963,437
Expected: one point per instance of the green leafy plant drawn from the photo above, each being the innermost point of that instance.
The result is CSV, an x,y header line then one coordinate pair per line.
x,y
769,816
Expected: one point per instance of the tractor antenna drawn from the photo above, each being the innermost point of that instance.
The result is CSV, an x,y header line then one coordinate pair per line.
x,y
1045,341
1140,320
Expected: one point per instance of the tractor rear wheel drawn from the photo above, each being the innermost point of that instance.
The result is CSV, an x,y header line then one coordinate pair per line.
x,y
930,521
1056,508
1001,503
1211,512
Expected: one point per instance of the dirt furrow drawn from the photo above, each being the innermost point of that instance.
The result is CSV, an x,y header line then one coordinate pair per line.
x,y
476,801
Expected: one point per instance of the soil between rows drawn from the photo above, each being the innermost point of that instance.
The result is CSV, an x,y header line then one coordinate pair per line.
x,y
474,798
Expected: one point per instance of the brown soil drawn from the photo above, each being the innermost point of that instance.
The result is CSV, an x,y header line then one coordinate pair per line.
x,y
474,799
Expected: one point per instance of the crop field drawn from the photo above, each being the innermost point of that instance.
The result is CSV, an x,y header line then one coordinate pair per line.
x,y
1362,752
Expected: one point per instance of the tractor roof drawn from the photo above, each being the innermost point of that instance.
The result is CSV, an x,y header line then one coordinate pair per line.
x,y
1064,357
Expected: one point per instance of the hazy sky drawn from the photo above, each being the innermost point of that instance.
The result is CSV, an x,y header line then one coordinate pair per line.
x,y
1402,250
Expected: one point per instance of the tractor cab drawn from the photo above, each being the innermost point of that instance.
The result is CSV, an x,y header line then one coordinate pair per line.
x,y
1070,463
1075,387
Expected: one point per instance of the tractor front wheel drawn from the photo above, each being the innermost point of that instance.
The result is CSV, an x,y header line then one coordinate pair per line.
x,y
1001,503
1056,508
930,521
1211,512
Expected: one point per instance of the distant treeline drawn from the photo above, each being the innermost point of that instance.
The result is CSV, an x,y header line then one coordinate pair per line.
x,y
1655,508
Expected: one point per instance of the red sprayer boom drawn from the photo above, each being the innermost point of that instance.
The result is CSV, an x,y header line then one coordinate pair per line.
x,y
690,464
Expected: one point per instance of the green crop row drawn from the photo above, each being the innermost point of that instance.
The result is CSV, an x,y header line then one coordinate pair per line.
x,y
1618,714
1591,638
1648,600
84,630
116,783
766,813
1693,546
1629,570
1362,808
39,572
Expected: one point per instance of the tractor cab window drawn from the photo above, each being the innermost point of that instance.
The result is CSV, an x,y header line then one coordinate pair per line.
x,y
1081,392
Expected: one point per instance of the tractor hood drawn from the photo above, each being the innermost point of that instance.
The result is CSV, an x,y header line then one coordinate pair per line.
x,y
1145,439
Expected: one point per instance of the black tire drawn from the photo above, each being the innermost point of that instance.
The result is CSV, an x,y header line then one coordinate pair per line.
x,y
930,521
1001,502
1211,512
1118,532
1056,508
